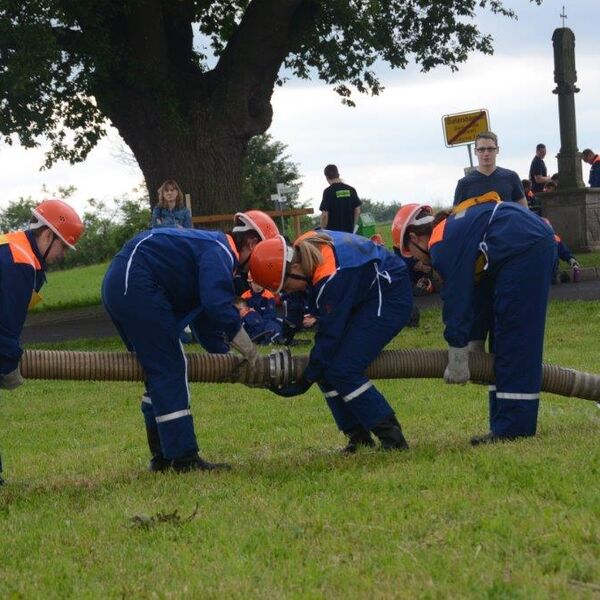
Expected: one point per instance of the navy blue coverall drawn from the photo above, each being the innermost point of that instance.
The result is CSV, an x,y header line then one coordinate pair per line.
x,y
362,297
519,249
22,274
161,281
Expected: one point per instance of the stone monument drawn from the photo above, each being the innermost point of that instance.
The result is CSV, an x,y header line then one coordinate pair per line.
x,y
573,209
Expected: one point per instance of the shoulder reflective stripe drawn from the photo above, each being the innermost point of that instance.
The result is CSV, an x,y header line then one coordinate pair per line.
x,y
268,295
557,238
358,391
597,159
247,294
327,267
516,396
129,262
228,250
437,235
322,288
465,204
174,415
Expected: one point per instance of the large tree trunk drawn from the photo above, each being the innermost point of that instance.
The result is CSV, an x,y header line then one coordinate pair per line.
x,y
185,124
206,164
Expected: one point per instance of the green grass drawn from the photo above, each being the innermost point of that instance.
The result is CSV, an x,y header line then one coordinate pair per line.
x,y
73,288
80,517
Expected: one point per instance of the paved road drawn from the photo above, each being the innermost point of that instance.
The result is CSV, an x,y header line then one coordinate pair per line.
x,y
93,322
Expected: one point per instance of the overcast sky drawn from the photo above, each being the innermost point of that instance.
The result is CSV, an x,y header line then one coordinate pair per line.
x,y
391,147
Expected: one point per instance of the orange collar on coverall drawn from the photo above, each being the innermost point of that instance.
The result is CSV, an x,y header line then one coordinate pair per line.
x,y
22,253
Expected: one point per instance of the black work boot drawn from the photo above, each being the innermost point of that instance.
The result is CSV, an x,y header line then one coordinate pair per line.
x,y
158,462
358,437
489,438
390,434
194,462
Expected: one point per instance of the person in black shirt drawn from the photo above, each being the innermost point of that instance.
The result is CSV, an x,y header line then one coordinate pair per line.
x,y
538,174
340,206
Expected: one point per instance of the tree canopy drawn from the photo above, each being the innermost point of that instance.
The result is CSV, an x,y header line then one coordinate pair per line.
x,y
188,83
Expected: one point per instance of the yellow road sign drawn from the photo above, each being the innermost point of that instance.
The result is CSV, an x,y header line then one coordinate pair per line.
x,y
462,128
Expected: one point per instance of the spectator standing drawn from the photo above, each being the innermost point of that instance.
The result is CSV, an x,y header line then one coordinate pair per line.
x,y
170,210
592,159
538,174
340,206
488,177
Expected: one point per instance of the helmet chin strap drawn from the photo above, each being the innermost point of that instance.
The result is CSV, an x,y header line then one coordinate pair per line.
x,y
54,238
419,247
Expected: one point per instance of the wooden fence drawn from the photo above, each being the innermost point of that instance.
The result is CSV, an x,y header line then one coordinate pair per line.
x,y
294,213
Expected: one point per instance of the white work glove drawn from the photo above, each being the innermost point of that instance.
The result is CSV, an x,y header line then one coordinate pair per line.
x,y
457,370
12,380
476,346
573,262
244,345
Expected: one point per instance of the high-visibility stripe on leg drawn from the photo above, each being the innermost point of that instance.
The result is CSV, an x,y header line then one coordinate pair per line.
x,y
187,383
516,396
146,399
358,391
331,394
174,415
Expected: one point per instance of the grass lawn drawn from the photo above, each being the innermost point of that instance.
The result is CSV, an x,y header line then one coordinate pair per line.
x,y
80,516
72,288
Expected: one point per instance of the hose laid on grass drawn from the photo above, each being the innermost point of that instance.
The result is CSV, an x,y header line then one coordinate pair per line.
x,y
280,368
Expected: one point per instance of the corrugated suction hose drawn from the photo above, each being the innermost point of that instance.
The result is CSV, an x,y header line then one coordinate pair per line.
x,y
280,368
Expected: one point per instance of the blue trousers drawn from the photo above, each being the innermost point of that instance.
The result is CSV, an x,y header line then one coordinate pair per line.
x,y
148,326
351,396
520,298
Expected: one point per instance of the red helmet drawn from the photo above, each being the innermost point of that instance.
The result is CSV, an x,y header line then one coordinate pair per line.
x,y
409,214
269,261
256,220
60,218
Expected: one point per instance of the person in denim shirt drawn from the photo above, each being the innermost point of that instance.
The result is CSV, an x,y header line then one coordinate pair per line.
x,y
170,211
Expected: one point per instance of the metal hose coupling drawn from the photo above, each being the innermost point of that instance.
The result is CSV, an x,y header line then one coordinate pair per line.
x,y
281,368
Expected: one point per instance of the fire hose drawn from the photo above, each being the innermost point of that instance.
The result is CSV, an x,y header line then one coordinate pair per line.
x,y
280,368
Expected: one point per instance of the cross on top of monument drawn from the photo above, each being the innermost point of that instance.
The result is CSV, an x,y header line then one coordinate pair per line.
x,y
563,16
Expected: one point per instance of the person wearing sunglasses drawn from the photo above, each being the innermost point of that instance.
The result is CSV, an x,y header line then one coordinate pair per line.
x,y
488,177
362,296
